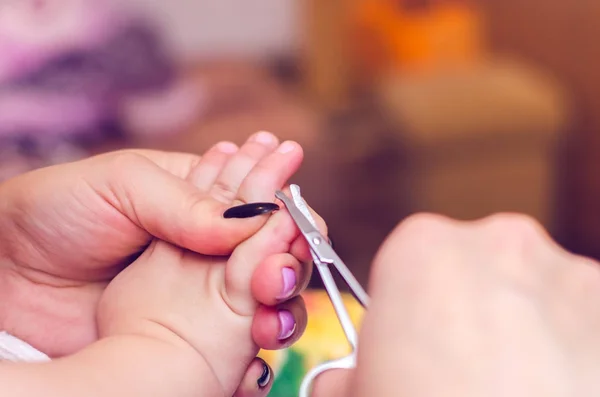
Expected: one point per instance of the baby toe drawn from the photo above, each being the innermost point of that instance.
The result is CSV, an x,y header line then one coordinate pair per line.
x,y
232,176
271,173
210,165
281,326
257,381
241,164
273,238
279,278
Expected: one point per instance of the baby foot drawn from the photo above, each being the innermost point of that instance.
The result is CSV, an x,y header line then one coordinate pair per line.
x,y
223,308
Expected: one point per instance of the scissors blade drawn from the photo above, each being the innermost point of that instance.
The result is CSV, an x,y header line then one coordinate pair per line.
x,y
313,236
320,248
323,268
304,224
301,204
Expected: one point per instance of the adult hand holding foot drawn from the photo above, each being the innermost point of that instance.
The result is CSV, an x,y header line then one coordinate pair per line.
x,y
486,308
68,231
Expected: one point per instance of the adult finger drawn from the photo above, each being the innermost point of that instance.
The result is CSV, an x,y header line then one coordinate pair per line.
x,y
332,383
179,164
168,207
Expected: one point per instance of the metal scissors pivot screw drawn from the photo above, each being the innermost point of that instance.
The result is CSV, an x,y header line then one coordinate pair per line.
x,y
323,255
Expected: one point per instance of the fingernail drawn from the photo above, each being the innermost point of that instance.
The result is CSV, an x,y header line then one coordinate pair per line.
x,y
264,137
288,275
287,324
265,378
250,210
286,147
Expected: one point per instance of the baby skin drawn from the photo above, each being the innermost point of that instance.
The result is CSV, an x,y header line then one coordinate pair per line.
x,y
207,304
198,319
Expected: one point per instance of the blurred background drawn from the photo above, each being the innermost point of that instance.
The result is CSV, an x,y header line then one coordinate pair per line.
x,y
453,106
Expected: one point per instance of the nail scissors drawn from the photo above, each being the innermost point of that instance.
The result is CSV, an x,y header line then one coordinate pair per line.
x,y
323,256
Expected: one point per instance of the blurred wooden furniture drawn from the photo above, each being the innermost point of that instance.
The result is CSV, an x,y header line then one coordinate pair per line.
x,y
559,35
324,54
478,141
347,43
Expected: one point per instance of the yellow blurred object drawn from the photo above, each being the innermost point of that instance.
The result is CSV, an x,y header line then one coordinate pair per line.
x,y
386,35
323,340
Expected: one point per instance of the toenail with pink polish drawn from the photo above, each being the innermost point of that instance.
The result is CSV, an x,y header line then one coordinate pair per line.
x,y
287,324
288,276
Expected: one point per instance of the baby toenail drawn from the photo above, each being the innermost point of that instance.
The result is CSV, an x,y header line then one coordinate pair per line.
x,y
286,147
288,276
250,210
264,137
287,324
227,147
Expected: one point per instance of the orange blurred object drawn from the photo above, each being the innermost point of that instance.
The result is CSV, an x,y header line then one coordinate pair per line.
x,y
416,36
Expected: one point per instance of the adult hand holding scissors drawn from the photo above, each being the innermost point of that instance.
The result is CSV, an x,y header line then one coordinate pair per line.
x,y
486,308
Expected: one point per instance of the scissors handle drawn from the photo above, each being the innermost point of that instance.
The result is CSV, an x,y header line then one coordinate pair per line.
x,y
338,304
326,254
341,363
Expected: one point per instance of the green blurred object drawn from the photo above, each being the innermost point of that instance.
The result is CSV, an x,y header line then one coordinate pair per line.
x,y
323,340
287,382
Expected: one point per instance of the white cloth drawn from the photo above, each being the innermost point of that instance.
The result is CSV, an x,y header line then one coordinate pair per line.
x,y
14,349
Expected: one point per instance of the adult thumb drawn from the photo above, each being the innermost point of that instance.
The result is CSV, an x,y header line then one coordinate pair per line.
x,y
172,209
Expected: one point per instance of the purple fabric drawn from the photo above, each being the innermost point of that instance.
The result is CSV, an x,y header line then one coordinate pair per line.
x,y
131,61
48,113
66,69
33,31
74,79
